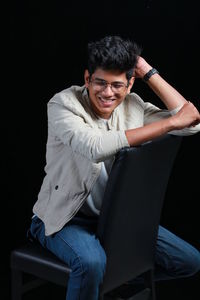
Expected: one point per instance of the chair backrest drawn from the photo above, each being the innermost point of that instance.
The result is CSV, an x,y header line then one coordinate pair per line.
x,y
131,209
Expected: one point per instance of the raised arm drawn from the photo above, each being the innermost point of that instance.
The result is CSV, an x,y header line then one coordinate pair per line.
x,y
168,95
187,116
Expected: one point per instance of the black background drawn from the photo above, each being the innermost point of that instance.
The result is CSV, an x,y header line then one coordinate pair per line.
x,y
46,53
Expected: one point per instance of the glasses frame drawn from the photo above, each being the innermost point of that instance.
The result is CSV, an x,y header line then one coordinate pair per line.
x,y
105,84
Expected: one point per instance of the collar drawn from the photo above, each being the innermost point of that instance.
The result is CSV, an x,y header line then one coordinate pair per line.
x,y
111,121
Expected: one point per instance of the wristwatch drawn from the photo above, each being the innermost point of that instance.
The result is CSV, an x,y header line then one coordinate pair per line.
x,y
149,74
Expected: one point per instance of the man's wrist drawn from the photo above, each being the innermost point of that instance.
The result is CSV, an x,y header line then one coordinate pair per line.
x,y
150,73
172,123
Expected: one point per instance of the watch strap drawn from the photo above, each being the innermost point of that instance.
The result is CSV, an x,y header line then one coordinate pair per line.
x,y
150,73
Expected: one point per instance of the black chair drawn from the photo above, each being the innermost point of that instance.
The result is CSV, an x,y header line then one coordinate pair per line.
x,y
128,224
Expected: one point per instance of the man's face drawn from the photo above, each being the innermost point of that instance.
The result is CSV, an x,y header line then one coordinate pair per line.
x,y
107,89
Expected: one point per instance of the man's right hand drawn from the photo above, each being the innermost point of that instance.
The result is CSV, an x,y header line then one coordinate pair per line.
x,y
142,67
187,116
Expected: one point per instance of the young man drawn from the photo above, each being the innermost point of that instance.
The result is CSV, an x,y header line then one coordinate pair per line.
x,y
87,126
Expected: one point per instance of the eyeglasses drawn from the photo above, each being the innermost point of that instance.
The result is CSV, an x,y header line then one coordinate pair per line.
x,y
100,85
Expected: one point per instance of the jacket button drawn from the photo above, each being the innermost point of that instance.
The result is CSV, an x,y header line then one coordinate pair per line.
x,y
56,187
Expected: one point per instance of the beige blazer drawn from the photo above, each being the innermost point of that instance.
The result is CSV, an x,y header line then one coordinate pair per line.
x,y
77,144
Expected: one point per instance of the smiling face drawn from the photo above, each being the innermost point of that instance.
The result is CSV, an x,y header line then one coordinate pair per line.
x,y
107,89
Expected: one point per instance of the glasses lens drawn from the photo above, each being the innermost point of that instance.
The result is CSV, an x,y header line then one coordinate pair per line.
x,y
100,85
118,87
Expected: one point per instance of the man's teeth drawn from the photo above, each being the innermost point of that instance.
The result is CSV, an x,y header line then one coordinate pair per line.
x,y
106,100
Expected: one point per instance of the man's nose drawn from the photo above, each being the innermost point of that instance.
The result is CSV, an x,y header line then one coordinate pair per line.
x,y
108,90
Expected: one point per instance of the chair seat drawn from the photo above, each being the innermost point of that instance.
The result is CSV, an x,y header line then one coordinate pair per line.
x,y
34,259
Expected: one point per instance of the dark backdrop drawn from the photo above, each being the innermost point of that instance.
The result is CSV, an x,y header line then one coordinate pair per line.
x,y
46,53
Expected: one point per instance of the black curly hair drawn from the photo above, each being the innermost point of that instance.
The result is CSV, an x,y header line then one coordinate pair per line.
x,y
113,53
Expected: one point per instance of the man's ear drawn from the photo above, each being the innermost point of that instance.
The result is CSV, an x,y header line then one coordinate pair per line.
x,y
131,82
87,78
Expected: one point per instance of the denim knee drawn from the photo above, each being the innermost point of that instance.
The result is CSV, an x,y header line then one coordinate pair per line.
x,y
94,268
89,267
193,265
188,264
86,277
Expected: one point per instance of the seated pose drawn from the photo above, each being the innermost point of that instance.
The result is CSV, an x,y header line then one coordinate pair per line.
x,y
87,126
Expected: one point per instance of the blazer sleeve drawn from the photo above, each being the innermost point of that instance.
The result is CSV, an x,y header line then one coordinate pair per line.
x,y
152,114
93,143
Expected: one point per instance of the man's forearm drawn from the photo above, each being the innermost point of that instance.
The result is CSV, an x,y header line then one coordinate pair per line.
x,y
169,95
148,132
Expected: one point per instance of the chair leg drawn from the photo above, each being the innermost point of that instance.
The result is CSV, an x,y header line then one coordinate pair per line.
x,y
16,284
153,290
143,295
150,283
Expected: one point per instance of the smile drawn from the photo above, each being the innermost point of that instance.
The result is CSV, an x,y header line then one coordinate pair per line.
x,y
106,102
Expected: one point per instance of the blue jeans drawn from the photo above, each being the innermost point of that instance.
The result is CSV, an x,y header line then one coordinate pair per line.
x,y
77,245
